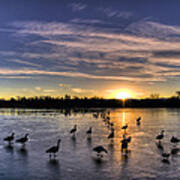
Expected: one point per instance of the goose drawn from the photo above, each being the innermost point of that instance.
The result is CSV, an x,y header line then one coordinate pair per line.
x,y
99,150
175,151
54,149
124,144
23,140
112,124
107,118
73,130
129,139
160,146
125,127
9,138
111,135
160,136
96,115
138,120
174,140
165,157
89,132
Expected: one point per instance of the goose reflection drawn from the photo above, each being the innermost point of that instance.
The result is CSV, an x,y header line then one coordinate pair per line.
x,y
9,148
165,157
73,140
89,142
175,151
160,146
54,167
23,151
53,162
124,159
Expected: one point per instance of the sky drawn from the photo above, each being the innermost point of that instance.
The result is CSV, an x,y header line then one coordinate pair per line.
x,y
89,48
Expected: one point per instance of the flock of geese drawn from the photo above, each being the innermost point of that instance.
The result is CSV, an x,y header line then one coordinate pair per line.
x,y
100,149
174,150
22,140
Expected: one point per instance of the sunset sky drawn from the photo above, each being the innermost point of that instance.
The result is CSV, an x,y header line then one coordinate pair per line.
x,y
89,48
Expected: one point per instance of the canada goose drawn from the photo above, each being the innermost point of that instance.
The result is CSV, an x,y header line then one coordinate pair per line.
x,y
99,150
125,127
160,136
23,140
10,138
54,149
73,130
174,140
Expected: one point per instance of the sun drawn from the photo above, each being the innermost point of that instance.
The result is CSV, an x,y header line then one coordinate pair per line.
x,y
123,95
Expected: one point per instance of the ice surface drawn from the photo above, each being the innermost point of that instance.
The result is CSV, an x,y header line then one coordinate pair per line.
x,y
75,159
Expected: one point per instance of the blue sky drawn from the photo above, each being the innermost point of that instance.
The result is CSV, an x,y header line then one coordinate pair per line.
x,y
88,48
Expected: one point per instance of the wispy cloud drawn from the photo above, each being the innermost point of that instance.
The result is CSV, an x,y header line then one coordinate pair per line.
x,y
49,90
143,51
74,75
80,90
116,13
38,88
77,6
64,85
23,62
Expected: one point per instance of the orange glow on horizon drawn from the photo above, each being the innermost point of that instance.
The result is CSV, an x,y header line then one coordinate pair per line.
x,y
122,94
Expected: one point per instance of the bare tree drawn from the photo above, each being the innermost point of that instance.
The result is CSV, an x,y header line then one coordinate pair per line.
x,y
154,96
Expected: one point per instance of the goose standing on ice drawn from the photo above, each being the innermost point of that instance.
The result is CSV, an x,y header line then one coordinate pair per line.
x,y
174,140
73,130
111,135
160,136
54,149
138,121
23,140
89,132
99,150
165,157
10,138
125,127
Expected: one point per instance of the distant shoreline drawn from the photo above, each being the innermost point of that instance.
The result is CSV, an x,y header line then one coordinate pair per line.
x,y
73,103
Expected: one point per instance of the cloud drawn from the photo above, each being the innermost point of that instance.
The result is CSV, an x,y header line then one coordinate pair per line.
x,y
144,51
18,61
154,29
49,90
88,21
64,85
77,6
75,75
16,77
38,88
80,91
116,13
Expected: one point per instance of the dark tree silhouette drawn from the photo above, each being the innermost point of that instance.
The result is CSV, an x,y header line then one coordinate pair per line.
x,y
68,102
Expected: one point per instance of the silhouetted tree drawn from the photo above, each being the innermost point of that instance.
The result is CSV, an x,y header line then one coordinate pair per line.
x,y
154,96
67,96
84,102
178,94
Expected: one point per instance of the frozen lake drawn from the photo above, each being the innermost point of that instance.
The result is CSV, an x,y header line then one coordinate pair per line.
x,y
75,159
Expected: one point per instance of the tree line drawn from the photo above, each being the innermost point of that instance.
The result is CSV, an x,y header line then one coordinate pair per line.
x,y
84,102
